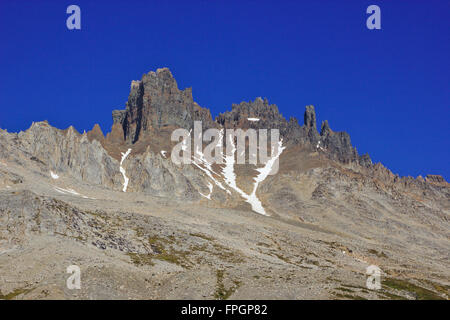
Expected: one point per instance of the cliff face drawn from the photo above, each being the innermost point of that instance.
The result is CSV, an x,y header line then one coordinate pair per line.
x,y
155,102
337,145
86,158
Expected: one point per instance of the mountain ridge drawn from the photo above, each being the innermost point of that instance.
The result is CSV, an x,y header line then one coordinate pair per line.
x,y
156,106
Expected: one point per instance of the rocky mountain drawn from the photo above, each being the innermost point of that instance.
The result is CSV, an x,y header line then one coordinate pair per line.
x,y
140,226
155,102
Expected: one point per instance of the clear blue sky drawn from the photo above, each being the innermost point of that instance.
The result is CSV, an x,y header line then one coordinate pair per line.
x,y
389,88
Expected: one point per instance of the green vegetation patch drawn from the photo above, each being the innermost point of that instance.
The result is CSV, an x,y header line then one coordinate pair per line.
x,y
14,293
141,259
348,296
220,251
419,292
380,254
202,236
221,292
392,296
164,251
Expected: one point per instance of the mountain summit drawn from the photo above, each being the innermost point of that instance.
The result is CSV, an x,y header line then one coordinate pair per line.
x,y
156,102
156,105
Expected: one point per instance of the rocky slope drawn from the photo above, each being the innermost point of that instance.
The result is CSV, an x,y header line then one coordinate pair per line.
x,y
194,230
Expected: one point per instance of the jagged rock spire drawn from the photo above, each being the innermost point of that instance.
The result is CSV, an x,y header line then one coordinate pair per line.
x,y
310,117
325,129
155,102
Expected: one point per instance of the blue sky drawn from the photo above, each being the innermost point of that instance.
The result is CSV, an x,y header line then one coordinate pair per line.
x,y
389,88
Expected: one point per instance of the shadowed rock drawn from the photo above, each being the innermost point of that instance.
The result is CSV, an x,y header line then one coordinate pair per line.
x,y
155,102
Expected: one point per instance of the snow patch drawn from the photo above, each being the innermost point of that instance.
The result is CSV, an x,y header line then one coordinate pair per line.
x,y
319,147
210,186
54,175
70,192
230,176
228,172
201,163
263,174
122,170
253,119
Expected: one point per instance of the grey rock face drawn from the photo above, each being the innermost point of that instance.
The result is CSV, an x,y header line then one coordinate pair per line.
x,y
364,160
337,144
71,154
435,179
53,217
257,109
325,129
310,117
69,151
156,102
118,116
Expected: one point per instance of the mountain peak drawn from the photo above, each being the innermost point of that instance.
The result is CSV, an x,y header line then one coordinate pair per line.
x,y
310,117
155,102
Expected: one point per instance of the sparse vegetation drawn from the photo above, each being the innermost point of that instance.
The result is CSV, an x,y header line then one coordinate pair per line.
x,y
418,292
348,296
282,258
262,244
14,293
439,287
202,236
221,292
141,259
170,254
360,288
344,289
392,296
379,254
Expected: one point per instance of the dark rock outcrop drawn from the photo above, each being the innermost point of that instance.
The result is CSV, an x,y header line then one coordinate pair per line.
x,y
118,116
436,179
337,144
257,114
156,102
310,117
